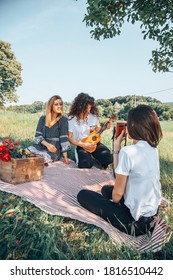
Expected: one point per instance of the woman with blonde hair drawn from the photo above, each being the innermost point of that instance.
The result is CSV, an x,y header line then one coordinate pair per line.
x,y
51,140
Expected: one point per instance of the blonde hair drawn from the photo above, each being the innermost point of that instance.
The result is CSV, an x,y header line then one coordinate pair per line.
x,y
49,109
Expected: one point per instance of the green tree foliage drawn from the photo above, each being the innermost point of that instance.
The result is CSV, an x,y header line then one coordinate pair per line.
x,y
103,102
10,74
122,104
66,108
133,99
106,18
164,111
35,107
107,107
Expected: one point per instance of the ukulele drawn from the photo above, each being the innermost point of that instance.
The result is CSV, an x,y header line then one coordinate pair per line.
x,y
95,137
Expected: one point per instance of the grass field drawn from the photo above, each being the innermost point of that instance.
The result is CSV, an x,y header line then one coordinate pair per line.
x,y
26,232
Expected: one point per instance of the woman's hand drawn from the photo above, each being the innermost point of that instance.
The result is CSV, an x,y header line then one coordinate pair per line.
x,y
118,140
85,145
51,148
66,160
89,146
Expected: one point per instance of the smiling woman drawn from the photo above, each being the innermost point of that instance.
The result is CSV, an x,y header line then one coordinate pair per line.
x,y
51,140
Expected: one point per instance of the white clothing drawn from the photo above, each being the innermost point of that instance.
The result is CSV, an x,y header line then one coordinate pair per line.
x,y
140,162
81,128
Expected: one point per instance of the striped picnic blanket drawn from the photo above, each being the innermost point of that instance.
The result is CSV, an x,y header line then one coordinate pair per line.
x,y
56,194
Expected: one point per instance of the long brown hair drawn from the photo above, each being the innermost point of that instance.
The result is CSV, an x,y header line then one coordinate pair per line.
x,y
80,104
143,124
49,108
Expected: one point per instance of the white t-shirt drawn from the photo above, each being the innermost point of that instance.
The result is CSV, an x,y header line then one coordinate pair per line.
x,y
81,128
140,162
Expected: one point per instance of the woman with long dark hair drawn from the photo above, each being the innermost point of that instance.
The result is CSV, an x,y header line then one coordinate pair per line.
x,y
132,203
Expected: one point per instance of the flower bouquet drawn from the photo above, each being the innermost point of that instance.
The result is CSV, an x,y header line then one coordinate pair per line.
x,y
11,149
17,165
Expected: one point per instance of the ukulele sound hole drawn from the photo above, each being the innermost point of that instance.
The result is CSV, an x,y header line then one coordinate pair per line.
x,y
94,138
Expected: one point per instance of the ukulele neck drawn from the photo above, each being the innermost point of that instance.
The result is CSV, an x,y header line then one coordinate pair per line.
x,y
101,130
105,125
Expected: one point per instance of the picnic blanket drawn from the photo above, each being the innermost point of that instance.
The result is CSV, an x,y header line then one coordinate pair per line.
x,y
56,194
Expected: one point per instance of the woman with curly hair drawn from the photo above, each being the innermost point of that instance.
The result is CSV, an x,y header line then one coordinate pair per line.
x,y
51,137
83,118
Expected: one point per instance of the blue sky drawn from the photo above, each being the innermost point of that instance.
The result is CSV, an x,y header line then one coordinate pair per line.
x,y
58,55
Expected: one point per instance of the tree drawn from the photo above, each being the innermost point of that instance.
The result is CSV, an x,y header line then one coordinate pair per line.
x,y
10,74
37,106
106,18
103,102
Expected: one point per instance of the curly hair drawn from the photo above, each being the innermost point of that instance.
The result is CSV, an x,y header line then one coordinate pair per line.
x,y
143,124
80,104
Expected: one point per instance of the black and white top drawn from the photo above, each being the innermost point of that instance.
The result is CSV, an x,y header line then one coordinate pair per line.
x,y
56,135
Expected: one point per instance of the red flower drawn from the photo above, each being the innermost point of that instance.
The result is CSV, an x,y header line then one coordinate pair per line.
x,y
17,143
9,150
7,140
5,157
2,148
10,214
11,146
